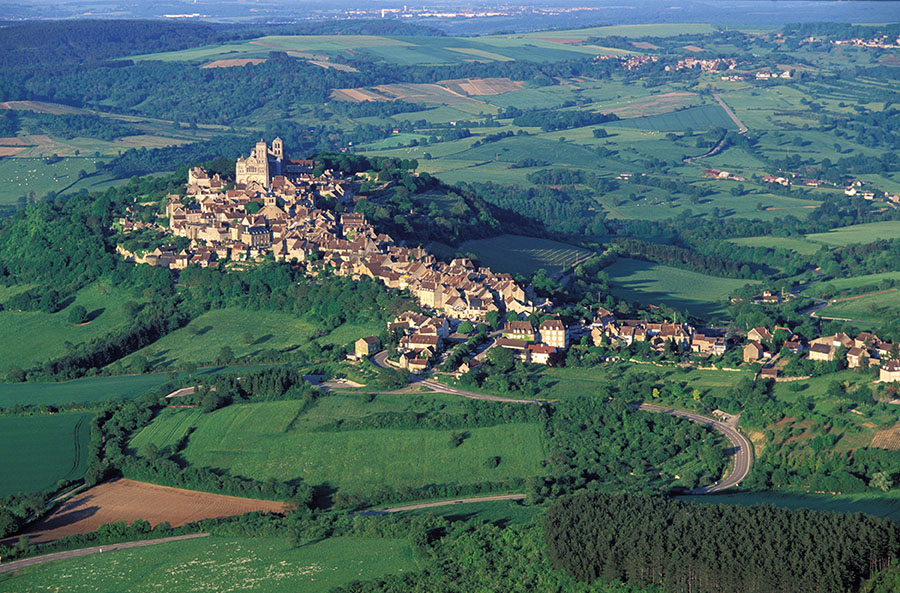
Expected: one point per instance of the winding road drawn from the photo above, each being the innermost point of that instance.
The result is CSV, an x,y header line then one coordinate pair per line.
x,y
741,447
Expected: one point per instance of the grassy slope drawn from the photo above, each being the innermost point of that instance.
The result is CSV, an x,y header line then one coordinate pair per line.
x,y
47,333
523,255
859,233
648,282
876,307
273,565
263,440
202,339
38,451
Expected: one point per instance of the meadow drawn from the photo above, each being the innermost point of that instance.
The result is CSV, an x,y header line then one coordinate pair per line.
x,y
203,338
875,307
273,565
858,233
92,389
649,282
836,285
38,451
702,117
276,440
48,332
515,254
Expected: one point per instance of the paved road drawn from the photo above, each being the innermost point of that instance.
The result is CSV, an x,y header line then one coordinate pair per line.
x,y
742,129
743,450
18,564
443,503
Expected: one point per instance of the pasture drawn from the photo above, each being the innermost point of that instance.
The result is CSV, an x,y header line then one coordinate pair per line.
x,y
524,255
48,332
80,390
38,451
275,440
127,500
858,233
648,282
874,307
202,339
836,285
702,117
272,565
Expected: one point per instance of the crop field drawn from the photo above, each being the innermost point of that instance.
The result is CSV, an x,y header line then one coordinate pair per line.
x,y
272,440
702,117
202,339
648,282
859,233
657,105
271,565
127,500
523,255
875,307
47,333
79,390
38,451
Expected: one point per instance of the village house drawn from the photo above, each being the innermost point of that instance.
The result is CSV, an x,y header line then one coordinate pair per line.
x,y
708,345
759,334
367,346
889,371
541,353
857,357
754,352
520,330
821,352
554,333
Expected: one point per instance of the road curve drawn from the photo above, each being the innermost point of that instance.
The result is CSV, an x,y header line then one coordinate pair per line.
x,y
743,450
18,564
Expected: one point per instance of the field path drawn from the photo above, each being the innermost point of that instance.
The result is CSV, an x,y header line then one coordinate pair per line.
x,y
18,564
742,129
443,503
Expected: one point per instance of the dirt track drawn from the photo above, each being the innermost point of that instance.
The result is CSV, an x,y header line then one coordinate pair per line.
x,y
127,500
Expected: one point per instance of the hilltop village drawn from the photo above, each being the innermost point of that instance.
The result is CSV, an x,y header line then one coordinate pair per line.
x,y
273,209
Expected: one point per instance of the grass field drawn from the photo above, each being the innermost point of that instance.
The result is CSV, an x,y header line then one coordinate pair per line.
x,y
38,451
273,565
271,440
202,339
702,117
523,255
79,390
47,333
859,233
876,307
839,284
648,282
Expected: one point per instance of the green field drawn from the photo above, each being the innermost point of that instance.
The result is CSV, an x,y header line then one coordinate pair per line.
x,y
839,284
272,565
272,440
876,307
38,451
48,333
702,117
858,233
523,255
648,282
79,390
202,339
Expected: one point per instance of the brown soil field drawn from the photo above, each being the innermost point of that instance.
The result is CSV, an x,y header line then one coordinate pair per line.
x,y
660,104
693,48
327,64
41,107
127,500
11,142
357,95
234,62
482,86
644,45
10,150
889,438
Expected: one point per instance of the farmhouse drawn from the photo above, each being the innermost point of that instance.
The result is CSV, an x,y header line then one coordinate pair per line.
x,y
821,352
754,352
857,357
554,333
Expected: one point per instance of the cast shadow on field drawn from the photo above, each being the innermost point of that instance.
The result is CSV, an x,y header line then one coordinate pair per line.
x,y
94,314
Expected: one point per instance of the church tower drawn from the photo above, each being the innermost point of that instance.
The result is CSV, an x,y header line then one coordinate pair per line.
x,y
278,148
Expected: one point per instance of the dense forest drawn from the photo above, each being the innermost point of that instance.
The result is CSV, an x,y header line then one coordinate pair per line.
x,y
703,548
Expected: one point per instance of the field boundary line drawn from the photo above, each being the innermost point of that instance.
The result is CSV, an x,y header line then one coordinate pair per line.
x,y
18,564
